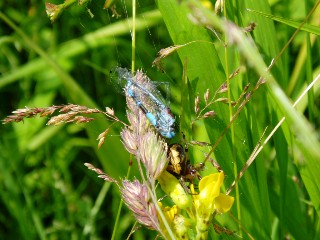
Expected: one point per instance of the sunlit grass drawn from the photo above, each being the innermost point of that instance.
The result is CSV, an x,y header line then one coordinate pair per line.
x,y
46,191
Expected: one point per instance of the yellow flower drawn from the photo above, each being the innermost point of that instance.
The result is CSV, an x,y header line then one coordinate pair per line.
x,y
178,224
191,219
169,212
208,200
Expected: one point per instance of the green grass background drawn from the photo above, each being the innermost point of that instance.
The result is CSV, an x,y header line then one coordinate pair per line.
x,y
45,190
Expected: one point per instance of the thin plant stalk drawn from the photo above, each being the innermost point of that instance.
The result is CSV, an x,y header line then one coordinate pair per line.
x,y
234,150
133,44
120,206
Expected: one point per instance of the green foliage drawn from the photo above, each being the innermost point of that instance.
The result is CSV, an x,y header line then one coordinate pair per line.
x,y
47,192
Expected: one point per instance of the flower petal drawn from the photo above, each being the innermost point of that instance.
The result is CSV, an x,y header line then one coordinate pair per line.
x,y
223,203
209,186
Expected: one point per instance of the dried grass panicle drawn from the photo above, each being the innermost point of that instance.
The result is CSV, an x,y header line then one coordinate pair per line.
x,y
53,11
137,118
196,104
207,96
68,118
20,114
223,88
70,113
137,198
138,126
164,52
129,141
153,154
209,114
101,174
